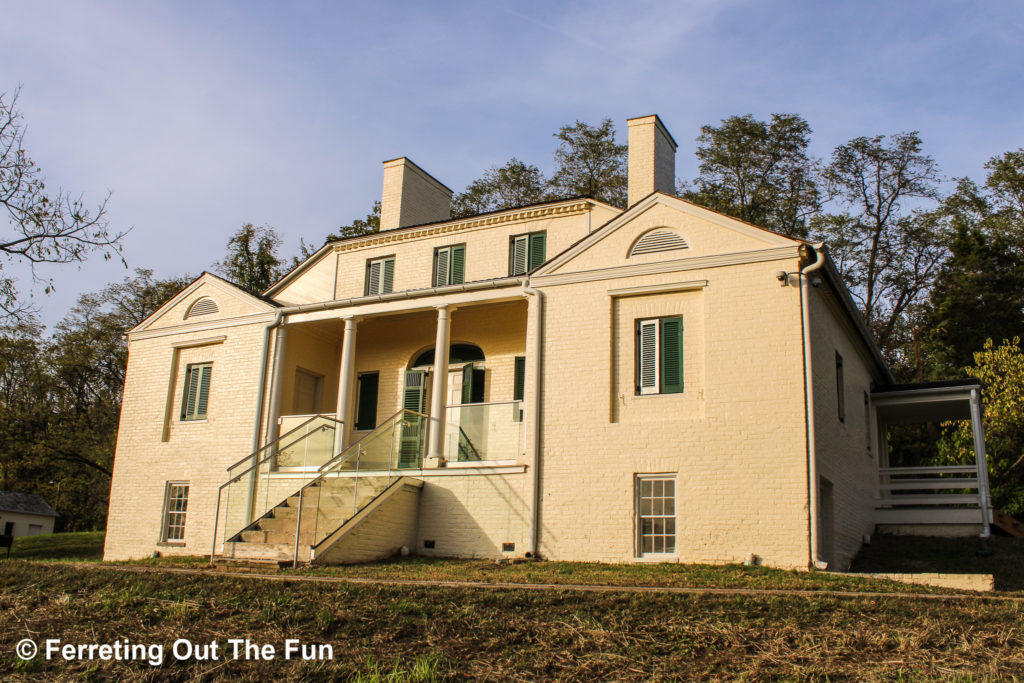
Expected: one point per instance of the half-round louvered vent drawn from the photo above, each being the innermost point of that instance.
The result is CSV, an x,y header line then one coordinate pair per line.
x,y
204,306
658,240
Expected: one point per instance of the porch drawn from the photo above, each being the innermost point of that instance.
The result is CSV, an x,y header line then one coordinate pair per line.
x,y
454,414
941,500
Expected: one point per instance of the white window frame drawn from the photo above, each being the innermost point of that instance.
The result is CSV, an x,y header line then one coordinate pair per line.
x,y
653,325
640,516
165,523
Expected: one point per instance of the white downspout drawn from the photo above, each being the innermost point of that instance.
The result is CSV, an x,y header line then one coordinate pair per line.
x,y
812,457
533,497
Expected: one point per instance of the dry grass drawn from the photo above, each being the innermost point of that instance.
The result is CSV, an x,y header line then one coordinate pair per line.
x,y
419,633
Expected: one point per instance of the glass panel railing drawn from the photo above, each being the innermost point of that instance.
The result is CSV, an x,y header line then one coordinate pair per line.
x,y
484,431
249,492
362,472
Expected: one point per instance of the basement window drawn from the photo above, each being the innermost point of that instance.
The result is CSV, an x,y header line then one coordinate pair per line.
x,y
655,514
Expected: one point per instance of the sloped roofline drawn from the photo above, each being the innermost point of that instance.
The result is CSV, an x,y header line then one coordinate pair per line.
x,y
220,283
319,253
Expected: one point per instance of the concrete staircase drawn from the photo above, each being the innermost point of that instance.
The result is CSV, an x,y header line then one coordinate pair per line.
x,y
325,506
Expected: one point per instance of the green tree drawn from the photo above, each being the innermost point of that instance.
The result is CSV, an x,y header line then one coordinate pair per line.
x,y
758,171
60,398
501,187
887,253
360,226
589,163
42,226
1001,371
252,261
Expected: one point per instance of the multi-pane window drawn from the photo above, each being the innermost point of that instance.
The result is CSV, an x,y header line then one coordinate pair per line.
x,y
656,514
175,508
659,356
526,252
840,389
195,397
449,265
380,275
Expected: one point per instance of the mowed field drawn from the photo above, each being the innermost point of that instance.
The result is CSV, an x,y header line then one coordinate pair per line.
x,y
418,633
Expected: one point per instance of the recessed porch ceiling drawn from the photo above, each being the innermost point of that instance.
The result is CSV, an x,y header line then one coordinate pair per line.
x,y
925,401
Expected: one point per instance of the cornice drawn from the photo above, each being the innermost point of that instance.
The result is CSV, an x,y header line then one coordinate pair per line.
x,y
530,214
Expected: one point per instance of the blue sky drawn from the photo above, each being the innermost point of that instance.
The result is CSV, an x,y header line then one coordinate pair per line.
x,y
202,116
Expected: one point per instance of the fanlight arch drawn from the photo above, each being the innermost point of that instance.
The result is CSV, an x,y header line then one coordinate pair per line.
x,y
657,240
202,306
457,353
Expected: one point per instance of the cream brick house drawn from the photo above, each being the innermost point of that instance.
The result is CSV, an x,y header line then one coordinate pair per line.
x,y
656,383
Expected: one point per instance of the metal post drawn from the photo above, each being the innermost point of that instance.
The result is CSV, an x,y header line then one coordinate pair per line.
x,y
216,519
980,461
298,528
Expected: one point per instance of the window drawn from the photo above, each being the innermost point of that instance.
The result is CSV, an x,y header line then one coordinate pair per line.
x,y
449,265
175,507
519,379
867,423
196,394
380,275
659,356
526,252
366,401
472,384
840,389
656,514
35,529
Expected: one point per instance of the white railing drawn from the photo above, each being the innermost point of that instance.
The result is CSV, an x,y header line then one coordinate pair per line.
x,y
924,486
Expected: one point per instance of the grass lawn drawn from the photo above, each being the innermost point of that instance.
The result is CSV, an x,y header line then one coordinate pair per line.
x,y
417,633
80,546
424,633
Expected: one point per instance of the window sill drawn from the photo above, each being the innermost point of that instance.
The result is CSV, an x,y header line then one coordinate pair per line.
x,y
657,557
675,393
194,422
171,544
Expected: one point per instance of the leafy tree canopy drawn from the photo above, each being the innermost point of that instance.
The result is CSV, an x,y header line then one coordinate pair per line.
x,y
501,187
360,226
589,163
758,171
252,261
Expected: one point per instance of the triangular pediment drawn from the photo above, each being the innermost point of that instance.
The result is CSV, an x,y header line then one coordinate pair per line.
x,y
661,227
208,298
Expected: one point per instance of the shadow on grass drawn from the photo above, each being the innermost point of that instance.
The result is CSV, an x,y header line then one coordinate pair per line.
x,y
81,545
915,554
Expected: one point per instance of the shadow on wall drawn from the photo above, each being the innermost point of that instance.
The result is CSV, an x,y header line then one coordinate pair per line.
x,y
446,520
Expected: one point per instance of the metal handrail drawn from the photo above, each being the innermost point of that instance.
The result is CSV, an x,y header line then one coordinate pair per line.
x,y
469,442
288,433
363,438
489,403
273,453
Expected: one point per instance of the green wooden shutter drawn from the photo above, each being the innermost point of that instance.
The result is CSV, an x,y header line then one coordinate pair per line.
x,y
190,393
413,398
519,255
519,382
467,383
388,276
647,357
203,399
538,249
373,277
458,264
672,356
442,264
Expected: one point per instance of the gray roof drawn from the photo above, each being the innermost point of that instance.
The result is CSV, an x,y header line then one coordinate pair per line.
x,y
28,503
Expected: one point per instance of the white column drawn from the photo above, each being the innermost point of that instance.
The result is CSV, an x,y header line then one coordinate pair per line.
x,y
345,373
980,461
439,391
274,428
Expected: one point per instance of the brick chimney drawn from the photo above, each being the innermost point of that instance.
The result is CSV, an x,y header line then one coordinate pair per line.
x,y
652,158
411,196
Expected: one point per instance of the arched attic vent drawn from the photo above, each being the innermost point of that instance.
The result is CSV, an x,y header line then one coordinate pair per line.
x,y
659,239
202,306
